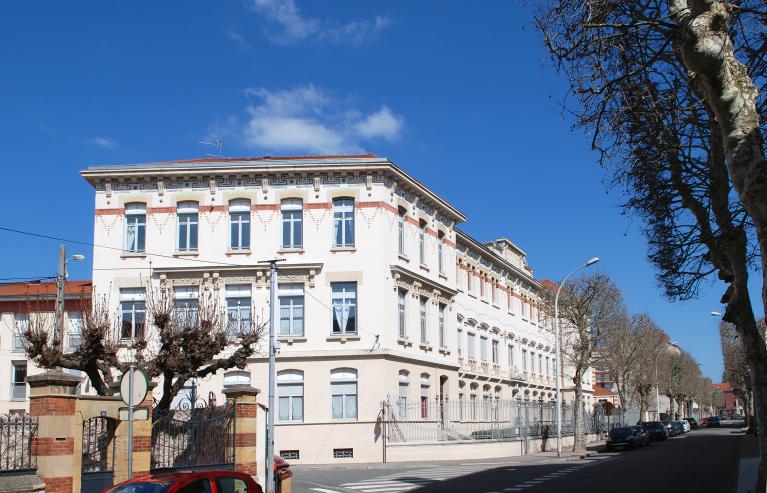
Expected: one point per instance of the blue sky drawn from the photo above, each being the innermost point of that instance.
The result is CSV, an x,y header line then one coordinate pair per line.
x,y
460,97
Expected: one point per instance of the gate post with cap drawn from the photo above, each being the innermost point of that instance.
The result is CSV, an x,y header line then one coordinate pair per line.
x,y
246,412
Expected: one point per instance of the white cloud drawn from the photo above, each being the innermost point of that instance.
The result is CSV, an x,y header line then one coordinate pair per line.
x,y
102,142
292,26
382,123
310,119
239,39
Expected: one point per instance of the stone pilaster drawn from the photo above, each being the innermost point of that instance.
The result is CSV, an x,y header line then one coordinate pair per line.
x,y
58,445
246,409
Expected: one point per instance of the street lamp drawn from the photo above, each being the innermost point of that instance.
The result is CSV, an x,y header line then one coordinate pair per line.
x,y
61,278
590,262
716,314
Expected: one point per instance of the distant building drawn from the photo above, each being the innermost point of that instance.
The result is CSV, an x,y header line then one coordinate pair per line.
x,y
732,404
19,302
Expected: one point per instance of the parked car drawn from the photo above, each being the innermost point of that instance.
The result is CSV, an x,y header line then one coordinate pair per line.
x,y
643,437
693,423
672,431
703,422
678,427
622,437
685,425
738,416
189,482
714,422
656,429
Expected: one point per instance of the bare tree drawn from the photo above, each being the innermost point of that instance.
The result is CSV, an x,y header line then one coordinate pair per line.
x,y
190,340
587,304
677,117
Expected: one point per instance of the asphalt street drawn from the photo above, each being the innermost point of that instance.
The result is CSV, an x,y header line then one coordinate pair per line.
x,y
699,461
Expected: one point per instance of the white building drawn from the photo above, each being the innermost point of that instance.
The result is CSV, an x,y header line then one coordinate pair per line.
x,y
380,296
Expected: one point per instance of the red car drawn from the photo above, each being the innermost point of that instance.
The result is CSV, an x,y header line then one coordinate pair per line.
x,y
189,482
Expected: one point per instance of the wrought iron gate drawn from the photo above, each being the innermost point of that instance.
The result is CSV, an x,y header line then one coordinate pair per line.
x,y
197,434
98,454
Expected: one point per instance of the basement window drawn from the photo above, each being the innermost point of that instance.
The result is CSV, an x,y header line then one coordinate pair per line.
x,y
343,453
290,454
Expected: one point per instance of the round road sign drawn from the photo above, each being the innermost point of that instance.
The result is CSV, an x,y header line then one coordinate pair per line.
x,y
135,396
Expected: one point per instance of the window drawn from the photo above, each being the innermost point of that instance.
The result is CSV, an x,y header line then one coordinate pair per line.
x,y
425,395
290,455
19,382
532,362
232,485
424,302
460,339
238,308
548,372
524,360
401,230
343,453
473,404
460,406
344,301
441,252
442,325
74,330
199,486
401,313
236,377
187,304
494,293
343,389
22,325
483,347
290,389
292,223
422,242
403,386
187,226
343,222
135,227
470,336
132,313
510,355
540,364
494,351
291,309
239,224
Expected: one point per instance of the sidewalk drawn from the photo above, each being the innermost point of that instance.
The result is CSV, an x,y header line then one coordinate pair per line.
x,y
749,463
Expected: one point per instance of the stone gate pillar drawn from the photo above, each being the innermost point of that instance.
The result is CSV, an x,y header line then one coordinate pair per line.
x,y
246,407
58,445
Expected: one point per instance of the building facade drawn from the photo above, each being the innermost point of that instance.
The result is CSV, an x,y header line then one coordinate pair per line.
x,y
18,303
383,302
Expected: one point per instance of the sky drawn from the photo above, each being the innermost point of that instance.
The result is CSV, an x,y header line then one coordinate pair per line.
x,y
461,95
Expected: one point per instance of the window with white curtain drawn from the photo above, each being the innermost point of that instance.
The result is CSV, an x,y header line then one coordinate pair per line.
x,y
21,322
187,300
290,392
238,308
135,227
423,321
403,389
401,312
188,221
483,347
236,377
422,242
18,380
74,330
442,341
459,339
524,360
425,385
510,355
494,351
132,313
239,224
343,391
291,298
441,252
344,303
470,337
401,230
292,223
343,222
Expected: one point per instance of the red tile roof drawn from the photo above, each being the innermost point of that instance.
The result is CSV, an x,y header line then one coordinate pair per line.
x,y
725,387
601,391
48,288
551,285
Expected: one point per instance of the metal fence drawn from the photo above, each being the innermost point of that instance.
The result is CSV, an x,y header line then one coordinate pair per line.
x,y
16,435
483,419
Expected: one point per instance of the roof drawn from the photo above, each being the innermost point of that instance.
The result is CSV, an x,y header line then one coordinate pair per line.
x,y
549,284
462,235
601,391
724,387
256,159
44,289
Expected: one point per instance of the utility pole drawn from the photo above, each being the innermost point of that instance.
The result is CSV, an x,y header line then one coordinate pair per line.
x,y
61,278
272,375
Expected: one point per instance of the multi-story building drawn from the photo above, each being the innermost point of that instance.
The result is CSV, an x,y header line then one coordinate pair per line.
x,y
18,303
381,297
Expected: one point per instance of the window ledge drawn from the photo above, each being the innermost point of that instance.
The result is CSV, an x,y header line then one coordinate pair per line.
x,y
472,294
190,253
403,257
283,251
289,340
444,350
229,253
496,305
19,400
425,267
405,341
343,338
343,249
484,301
133,255
443,276
425,346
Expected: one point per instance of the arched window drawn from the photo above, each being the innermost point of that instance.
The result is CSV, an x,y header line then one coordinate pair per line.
x,y
292,223
403,390
425,386
343,390
402,212
290,389
236,377
343,222
239,224
135,227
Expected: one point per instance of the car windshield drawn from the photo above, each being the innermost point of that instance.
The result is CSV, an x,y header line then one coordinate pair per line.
x,y
142,487
620,432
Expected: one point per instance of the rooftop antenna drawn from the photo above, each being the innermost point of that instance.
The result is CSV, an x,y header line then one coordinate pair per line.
x,y
219,143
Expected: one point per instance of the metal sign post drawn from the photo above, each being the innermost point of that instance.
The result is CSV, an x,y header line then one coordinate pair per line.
x,y
134,386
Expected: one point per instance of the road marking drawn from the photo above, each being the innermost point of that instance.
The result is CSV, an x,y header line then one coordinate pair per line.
x,y
322,490
488,463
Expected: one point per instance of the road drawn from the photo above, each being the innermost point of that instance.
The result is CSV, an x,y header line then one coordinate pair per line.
x,y
699,461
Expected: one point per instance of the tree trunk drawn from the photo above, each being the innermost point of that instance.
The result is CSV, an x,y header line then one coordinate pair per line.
x,y
578,441
642,407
